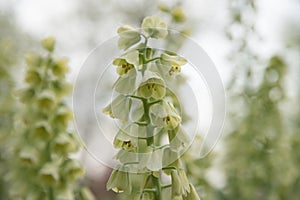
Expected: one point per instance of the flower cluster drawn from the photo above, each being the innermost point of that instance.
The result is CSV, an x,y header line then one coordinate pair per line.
x,y
148,112
41,146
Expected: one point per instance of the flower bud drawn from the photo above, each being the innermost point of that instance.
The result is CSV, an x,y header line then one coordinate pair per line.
x,y
178,14
60,68
48,43
155,27
192,195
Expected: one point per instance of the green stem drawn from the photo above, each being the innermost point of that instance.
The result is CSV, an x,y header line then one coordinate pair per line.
x,y
154,102
156,182
135,97
144,56
147,120
152,59
51,194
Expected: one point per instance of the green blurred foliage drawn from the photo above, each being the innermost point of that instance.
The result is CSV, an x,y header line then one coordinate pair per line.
x,y
261,149
258,162
11,46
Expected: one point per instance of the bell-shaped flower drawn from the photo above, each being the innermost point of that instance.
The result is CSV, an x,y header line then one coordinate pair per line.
x,y
172,63
33,60
46,100
179,139
125,156
62,116
129,36
165,115
119,180
132,57
41,130
137,110
64,143
177,189
72,170
126,84
49,173
123,67
155,27
124,140
60,67
61,87
170,158
33,77
155,161
48,43
28,156
192,195
153,86
118,108
26,94
184,181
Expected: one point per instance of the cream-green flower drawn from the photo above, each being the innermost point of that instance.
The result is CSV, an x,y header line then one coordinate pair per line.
x,y
119,180
155,27
128,37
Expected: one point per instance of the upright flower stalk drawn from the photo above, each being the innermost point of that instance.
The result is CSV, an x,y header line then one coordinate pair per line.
x,y
148,111
41,166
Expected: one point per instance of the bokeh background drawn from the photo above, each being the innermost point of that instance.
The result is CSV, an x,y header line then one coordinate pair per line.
x,y
255,46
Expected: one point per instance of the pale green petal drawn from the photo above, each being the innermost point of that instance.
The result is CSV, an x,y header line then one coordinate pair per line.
x,y
193,195
152,86
126,157
137,111
180,141
144,91
49,173
72,170
138,131
155,27
33,60
184,181
132,57
64,194
176,184
169,156
33,77
28,156
126,84
164,115
155,161
42,130
64,144
124,141
120,107
128,37
46,100
119,181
